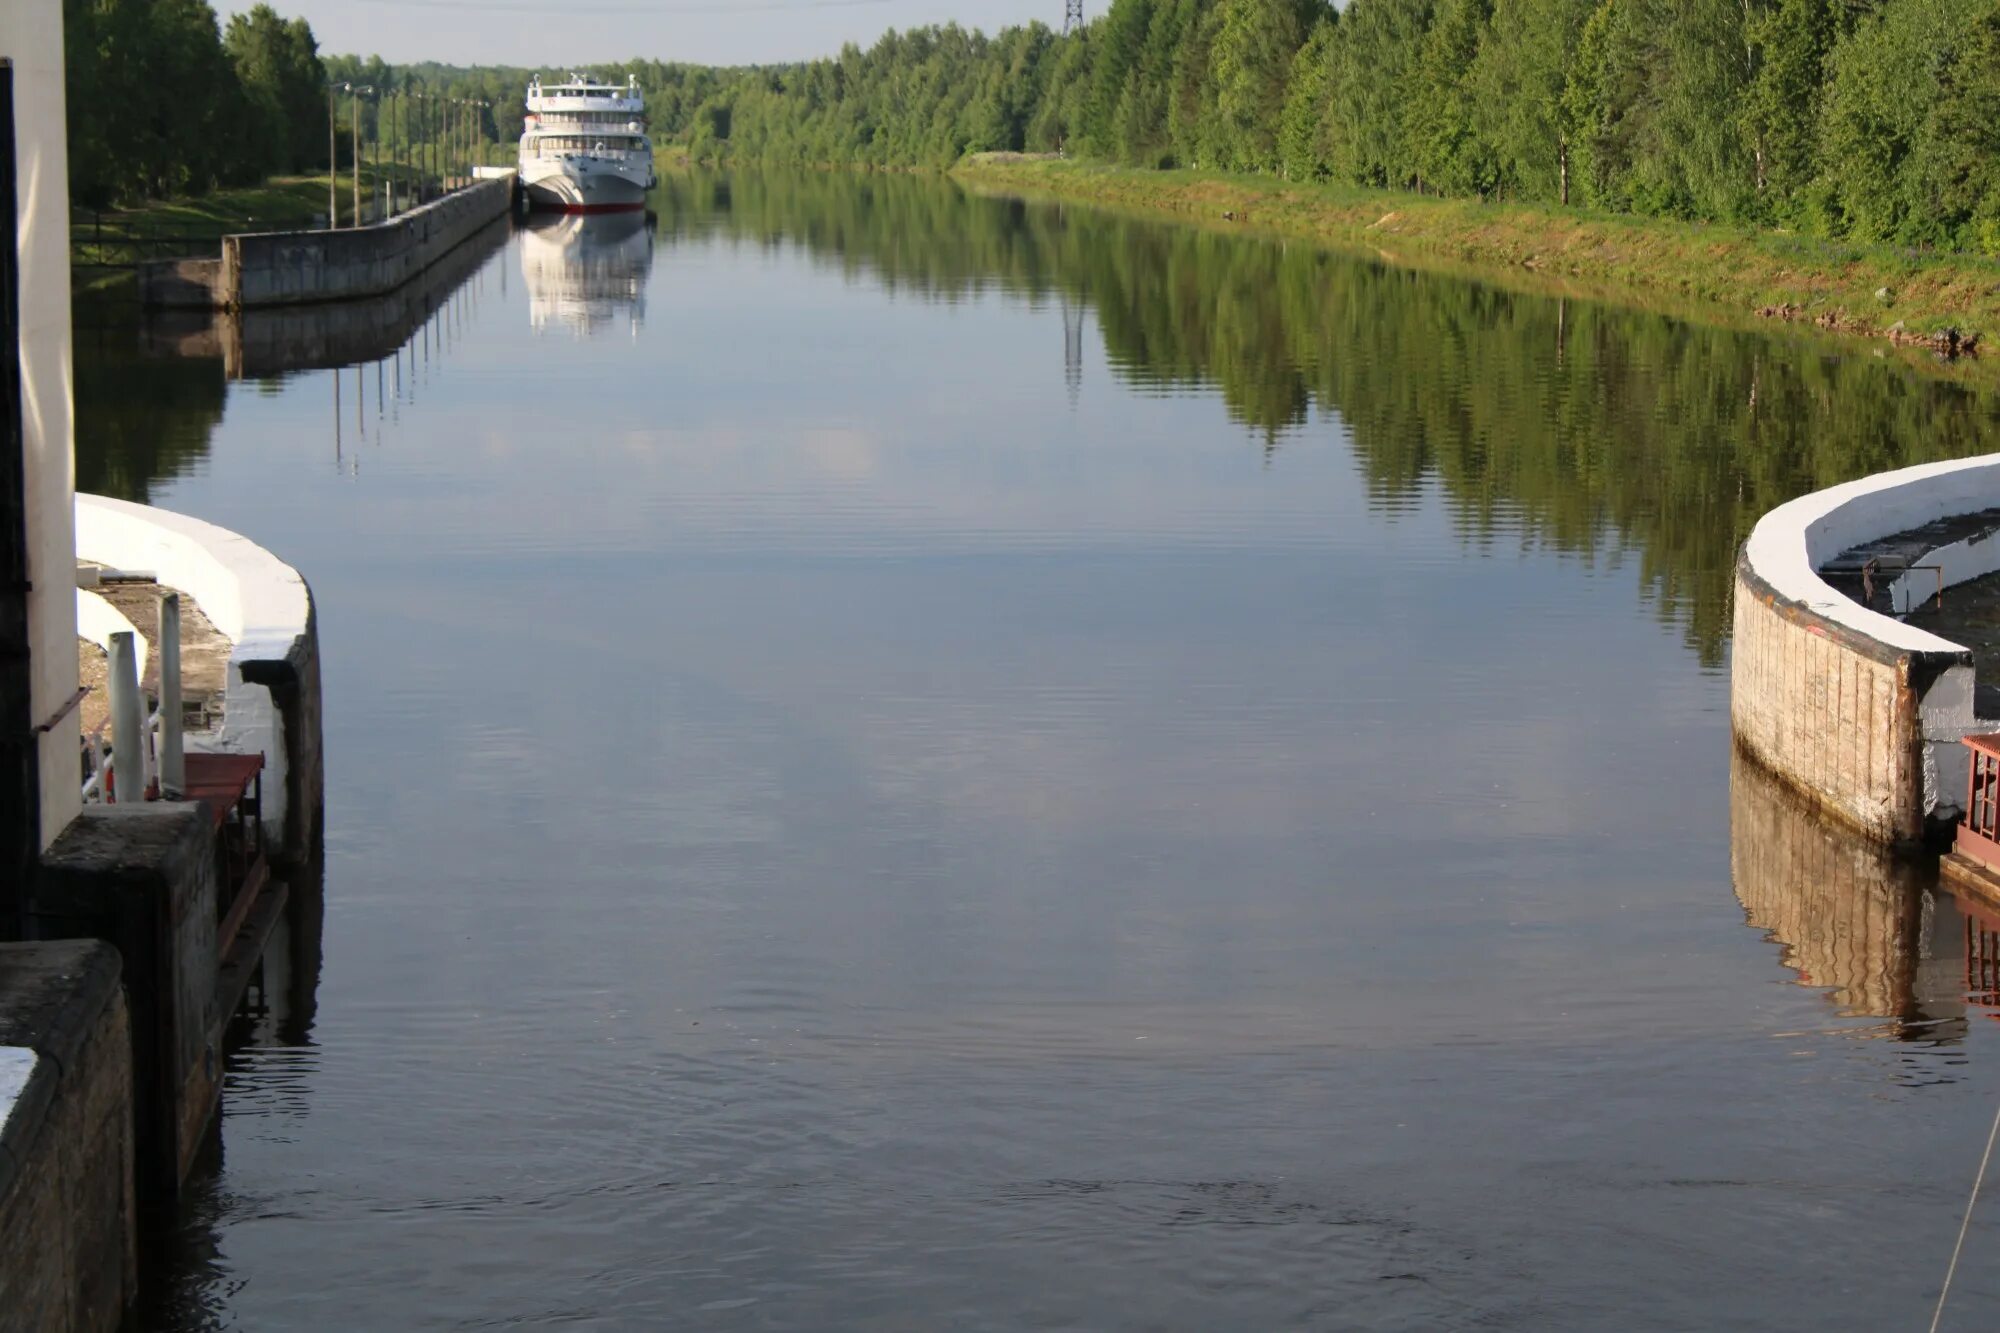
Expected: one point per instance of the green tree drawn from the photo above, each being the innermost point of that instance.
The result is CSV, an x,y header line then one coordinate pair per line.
x,y
1301,132
1523,71
1452,156
1251,61
277,61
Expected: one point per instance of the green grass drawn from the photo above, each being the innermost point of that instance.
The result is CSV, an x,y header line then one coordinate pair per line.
x,y
1706,271
281,203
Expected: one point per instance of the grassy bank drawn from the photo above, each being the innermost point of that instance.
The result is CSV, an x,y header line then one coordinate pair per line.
x,y
104,244
279,203
1902,296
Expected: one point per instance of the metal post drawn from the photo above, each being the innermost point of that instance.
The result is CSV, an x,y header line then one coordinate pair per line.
x,y
396,150
332,165
173,763
128,720
354,152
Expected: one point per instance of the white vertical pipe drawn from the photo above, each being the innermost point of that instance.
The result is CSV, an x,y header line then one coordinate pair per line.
x,y
173,768
128,720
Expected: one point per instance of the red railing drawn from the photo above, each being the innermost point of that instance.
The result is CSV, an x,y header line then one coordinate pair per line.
x,y
1979,831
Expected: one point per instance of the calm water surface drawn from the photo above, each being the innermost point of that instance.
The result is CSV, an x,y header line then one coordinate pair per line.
x,y
898,760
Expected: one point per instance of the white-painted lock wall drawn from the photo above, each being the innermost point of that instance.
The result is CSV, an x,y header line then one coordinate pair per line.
x,y
97,620
31,40
255,600
1781,678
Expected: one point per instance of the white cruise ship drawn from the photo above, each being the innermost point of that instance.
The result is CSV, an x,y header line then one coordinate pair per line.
x,y
584,147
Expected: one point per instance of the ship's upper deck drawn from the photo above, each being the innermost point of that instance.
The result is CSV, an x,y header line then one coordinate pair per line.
x,y
582,93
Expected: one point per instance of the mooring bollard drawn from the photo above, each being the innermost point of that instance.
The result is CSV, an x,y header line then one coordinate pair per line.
x,y
128,721
173,767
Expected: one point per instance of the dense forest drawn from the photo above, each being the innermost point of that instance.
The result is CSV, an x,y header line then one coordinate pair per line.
x,y
167,101
1877,120
163,100
1872,119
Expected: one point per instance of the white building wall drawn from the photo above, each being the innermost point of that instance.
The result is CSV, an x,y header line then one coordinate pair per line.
x,y
31,37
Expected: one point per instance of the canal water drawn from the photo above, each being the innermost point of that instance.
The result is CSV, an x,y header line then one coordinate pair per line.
x,y
903,760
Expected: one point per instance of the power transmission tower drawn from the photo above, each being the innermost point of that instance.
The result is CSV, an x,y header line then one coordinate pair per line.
x,y
1072,16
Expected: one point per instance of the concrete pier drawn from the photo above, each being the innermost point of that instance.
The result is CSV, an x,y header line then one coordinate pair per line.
x,y
1860,712
68,1256
271,695
343,264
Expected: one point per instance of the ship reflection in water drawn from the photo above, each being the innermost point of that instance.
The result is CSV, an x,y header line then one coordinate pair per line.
x,y
586,270
1870,928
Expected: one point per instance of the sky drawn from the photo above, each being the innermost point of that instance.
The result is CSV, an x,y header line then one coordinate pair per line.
x,y
712,32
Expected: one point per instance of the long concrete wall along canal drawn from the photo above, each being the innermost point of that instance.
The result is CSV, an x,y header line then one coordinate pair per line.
x,y
343,264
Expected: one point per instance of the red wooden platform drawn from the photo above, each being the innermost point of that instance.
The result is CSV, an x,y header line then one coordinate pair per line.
x,y
223,780
233,787
1978,836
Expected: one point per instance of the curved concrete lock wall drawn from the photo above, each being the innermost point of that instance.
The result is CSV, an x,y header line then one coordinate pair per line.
x,y
262,605
1859,711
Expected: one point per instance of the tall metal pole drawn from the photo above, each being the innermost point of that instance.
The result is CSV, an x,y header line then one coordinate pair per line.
x,y
390,179
332,164
354,155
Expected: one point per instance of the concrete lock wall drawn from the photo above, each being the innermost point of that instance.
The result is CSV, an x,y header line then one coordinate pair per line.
x,y
186,284
271,699
143,878
290,268
1858,711
67,1249
31,37
97,620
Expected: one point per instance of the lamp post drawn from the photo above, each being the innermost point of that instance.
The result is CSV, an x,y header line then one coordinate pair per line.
x,y
356,155
332,163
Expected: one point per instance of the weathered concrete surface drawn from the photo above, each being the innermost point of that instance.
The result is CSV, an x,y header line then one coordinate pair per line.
x,y
181,284
1830,711
260,343
143,878
292,268
67,1241
1858,711
205,652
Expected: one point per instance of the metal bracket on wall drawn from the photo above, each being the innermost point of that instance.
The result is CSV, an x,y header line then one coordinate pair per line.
x,y
55,718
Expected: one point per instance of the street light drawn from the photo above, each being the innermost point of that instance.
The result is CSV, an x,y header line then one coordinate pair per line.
x,y
332,162
358,92
333,151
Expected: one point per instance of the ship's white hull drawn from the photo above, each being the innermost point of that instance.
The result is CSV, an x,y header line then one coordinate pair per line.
x,y
585,185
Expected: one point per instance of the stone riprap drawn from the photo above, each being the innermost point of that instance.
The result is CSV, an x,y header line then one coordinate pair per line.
x,y
1859,711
